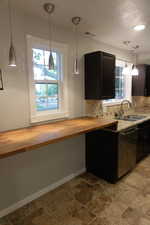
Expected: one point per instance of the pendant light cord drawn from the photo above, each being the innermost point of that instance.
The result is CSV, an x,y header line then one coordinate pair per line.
x,y
76,41
135,51
135,59
10,20
50,32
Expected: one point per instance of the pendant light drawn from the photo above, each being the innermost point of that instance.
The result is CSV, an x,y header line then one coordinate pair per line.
x,y
76,20
49,8
12,55
126,70
135,71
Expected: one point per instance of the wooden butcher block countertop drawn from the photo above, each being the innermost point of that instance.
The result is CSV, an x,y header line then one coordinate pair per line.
x,y
21,140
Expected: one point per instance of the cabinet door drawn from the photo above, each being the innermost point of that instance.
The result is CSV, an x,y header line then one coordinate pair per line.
x,y
138,82
92,75
143,147
108,76
147,83
101,154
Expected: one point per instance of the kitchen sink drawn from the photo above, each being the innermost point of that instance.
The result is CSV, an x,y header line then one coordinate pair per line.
x,y
131,117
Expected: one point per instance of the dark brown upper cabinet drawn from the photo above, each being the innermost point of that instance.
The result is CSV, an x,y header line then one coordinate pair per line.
x,y
141,83
99,75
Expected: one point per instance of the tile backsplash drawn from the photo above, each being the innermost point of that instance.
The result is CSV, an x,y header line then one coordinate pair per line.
x,y
141,103
96,108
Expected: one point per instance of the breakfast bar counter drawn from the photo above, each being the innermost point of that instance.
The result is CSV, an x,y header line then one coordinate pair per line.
x,y
25,139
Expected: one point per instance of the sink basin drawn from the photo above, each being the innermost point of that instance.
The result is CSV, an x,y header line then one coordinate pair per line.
x,y
132,117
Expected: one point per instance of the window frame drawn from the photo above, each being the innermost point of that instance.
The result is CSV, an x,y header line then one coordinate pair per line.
x,y
127,86
63,111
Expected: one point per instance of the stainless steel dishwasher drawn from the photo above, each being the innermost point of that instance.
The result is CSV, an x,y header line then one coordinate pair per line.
x,y
127,150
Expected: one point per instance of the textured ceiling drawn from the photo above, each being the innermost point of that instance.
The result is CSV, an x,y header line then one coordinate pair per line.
x,y
111,20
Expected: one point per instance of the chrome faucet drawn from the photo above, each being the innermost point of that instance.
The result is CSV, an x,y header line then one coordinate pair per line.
x,y
122,104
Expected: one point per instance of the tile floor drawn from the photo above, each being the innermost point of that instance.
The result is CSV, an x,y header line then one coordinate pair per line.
x,y
87,200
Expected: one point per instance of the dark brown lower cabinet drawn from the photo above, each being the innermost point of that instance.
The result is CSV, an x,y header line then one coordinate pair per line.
x,y
143,146
111,154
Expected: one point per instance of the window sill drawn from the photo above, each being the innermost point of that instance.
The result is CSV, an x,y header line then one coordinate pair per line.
x,y
117,102
112,103
50,116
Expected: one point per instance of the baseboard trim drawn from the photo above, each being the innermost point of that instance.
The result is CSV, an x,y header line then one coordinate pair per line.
x,y
36,195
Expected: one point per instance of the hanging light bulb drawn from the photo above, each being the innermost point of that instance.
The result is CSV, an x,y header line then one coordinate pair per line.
x,y
51,64
135,71
12,55
126,70
76,20
49,8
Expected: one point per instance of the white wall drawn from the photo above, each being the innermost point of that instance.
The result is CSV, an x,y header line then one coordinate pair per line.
x,y
27,173
24,174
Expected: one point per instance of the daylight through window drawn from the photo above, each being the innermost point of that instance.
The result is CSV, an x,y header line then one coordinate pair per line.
x,y
122,84
46,81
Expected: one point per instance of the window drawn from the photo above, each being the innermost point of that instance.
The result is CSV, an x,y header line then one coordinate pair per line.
x,y
48,88
122,84
46,81
119,83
